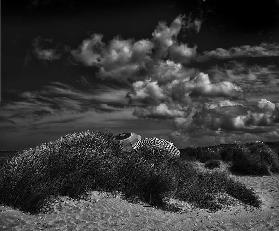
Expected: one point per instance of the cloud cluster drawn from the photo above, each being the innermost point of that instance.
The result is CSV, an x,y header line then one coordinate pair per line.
x,y
165,37
177,92
42,50
164,85
227,122
148,92
165,71
266,114
120,59
261,50
156,68
182,53
161,111
127,59
257,81
180,89
202,86
89,52
238,117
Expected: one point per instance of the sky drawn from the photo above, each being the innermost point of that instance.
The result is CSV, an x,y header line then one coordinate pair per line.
x,y
197,72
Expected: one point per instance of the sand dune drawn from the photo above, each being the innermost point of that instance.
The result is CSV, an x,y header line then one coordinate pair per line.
x,y
107,212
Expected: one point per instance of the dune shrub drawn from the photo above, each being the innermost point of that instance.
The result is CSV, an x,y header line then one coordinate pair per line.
x,y
201,154
208,153
68,166
227,152
201,188
254,159
79,162
211,164
83,161
266,155
189,154
148,174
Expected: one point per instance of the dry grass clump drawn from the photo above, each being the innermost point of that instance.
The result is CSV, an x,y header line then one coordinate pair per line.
x,y
84,161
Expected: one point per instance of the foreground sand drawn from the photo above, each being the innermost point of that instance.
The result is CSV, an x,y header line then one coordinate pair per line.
x,y
107,212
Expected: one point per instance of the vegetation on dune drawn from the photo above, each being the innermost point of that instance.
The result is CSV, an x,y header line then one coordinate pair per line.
x,y
79,162
247,159
254,159
211,164
148,173
202,154
202,188
84,161
68,166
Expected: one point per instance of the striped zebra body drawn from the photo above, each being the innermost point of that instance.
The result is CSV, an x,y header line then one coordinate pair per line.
x,y
158,143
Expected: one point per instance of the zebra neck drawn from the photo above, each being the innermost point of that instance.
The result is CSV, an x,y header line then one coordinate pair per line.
x,y
137,144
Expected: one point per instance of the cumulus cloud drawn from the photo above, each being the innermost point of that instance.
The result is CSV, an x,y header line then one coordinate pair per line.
x,y
227,122
266,105
167,71
255,119
261,50
166,42
267,115
127,59
182,53
148,92
164,36
161,111
120,59
163,85
45,54
257,81
202,85
90,51
181,90
42,50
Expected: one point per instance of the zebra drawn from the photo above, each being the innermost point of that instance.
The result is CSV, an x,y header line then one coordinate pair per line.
x,y
131,141
158,143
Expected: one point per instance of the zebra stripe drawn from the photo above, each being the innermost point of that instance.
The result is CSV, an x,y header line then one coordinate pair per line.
x,y
158,143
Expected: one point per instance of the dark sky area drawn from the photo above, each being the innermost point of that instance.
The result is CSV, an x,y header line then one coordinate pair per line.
x,y
50,86
225,24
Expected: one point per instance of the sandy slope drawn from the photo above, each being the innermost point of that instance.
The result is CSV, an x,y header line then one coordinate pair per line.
x,y
107,212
